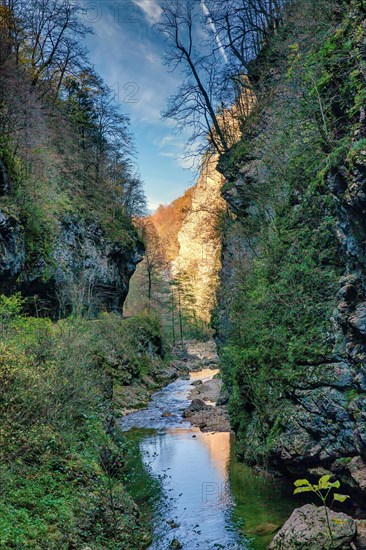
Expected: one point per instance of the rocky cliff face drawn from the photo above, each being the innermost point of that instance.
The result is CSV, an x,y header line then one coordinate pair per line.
x,y
188,231
199,243
294,257
168,220
81,269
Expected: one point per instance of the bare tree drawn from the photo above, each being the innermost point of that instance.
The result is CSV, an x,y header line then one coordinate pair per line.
x,y
242,27
45,37
213,43
195,104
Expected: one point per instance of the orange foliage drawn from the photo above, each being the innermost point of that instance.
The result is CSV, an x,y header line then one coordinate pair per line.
x,y
168,220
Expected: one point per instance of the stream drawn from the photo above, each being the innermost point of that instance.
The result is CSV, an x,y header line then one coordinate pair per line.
x,y
210,501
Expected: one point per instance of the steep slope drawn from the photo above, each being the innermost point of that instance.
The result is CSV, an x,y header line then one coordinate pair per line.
x,y
66,236
168,220
67,250
188,232
290,320
199,244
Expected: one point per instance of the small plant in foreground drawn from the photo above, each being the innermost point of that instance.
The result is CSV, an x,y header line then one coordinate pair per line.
x,y
323,489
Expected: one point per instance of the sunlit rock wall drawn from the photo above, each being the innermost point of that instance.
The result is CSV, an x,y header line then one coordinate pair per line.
x,y
199,241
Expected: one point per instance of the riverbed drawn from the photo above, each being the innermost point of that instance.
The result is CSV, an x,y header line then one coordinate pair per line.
x,y
209,500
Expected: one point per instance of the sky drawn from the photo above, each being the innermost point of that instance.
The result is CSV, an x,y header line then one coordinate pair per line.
x,y
128,53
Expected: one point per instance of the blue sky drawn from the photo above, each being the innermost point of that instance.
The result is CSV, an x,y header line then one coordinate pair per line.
x,y
127,52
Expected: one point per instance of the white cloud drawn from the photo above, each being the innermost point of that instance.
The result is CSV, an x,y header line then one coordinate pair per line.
x,y
168,155
131,72
212,26
151,9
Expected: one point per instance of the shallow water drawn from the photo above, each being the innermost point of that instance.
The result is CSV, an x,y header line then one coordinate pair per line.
x,y
210,501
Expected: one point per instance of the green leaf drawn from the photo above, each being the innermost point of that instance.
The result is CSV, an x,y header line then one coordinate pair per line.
x,y
301,482
324,479
303,490
340,498
323,482
336,485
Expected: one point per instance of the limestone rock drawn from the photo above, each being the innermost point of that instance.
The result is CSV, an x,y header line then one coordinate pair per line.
x,y
357,469
306,529
12,249
197,405
82,267
207,418
358,319
361,534
199,244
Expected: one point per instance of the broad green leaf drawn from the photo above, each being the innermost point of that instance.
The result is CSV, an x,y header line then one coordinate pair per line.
x,y
301,482
340,498
324,482
336,485
303,490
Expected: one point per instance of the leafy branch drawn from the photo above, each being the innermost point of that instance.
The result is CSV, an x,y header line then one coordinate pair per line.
x,y
323,490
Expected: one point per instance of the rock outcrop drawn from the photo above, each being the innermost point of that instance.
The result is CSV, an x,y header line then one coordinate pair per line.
x,y
307,529
326,411
199,243
83,269
4,178
12,250
317,412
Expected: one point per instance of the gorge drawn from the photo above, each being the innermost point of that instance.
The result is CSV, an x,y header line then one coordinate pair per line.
x,y
219,339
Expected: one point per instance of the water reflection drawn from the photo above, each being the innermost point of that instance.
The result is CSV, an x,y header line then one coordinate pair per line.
x,y
195,480
210,501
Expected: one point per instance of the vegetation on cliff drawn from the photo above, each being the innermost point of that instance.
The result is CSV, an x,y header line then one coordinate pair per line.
x,y
293,363
67,159
66,471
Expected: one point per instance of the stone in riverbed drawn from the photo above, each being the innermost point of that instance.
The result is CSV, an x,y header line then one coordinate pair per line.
x,y
176,544
361,534
173,524
206,417
197,405
306,529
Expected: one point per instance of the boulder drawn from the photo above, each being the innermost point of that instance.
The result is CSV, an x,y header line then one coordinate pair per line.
x,y
358,319
357,469
361,534
306,529
197,405
175,543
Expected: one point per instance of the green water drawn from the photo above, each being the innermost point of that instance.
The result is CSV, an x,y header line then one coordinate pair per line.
x,y
260,505
190,482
